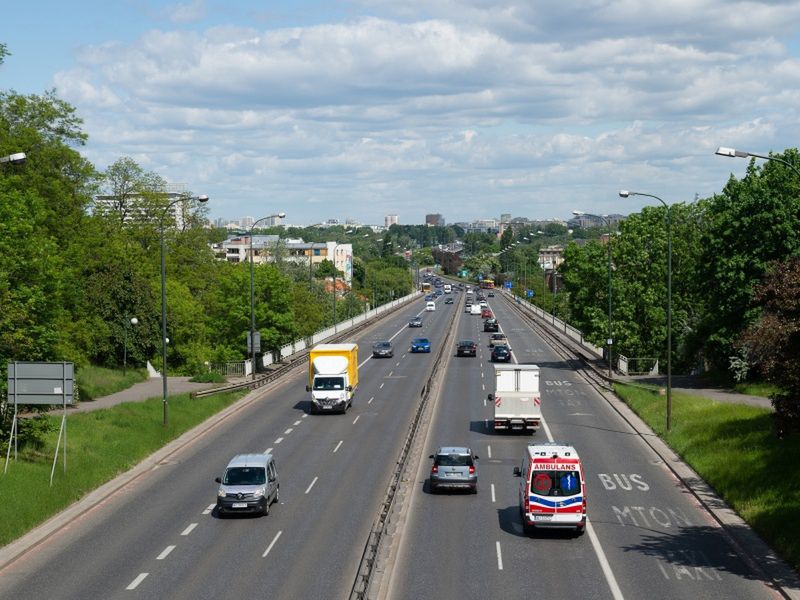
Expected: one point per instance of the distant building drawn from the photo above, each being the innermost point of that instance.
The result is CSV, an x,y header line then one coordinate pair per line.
x,y
390,220
134,209
434,220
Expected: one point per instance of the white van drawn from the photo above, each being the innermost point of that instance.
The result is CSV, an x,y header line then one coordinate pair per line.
x,y
430,306
552,488
448,288
249,485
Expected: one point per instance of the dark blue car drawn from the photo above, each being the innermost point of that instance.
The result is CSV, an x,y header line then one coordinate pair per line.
x,y
420,345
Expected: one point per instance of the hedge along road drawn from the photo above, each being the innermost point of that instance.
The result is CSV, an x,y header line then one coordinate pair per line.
x,y
158,536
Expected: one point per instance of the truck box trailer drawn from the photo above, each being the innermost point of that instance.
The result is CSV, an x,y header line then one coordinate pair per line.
x,y
516,398
332,376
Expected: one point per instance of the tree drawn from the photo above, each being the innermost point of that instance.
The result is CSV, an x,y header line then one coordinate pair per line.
x,y
125,183
772,342
506,238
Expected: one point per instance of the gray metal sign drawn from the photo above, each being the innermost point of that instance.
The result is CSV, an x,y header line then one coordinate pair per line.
x,y
257,337
41,382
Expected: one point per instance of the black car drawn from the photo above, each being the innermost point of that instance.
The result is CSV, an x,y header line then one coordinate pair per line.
x,y
448,300
466,348
415,322
382,350
501,354
490,294
491,325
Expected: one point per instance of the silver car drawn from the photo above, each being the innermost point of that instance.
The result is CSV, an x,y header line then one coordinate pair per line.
x,y
249,485
454,468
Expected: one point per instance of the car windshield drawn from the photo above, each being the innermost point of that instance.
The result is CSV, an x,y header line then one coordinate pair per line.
x,y
245,476
381,345
328,383
556,483
420,341
466,343
454,460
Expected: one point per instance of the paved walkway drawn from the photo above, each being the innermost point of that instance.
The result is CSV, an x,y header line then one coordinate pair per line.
x,y
698,386
139,392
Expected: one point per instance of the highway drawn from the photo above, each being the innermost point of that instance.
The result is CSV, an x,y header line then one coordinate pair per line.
x,y
160,538
647,536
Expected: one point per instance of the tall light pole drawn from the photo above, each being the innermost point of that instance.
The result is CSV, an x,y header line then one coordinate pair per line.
x,y
202,198
733,153
609,339
132,321
253,294
335,270
626,194
18,158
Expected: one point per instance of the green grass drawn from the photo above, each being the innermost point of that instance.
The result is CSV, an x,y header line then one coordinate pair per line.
x,y
101,445
733,448
96,382
756,388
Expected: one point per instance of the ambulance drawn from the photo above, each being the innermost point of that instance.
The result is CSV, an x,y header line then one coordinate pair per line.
x,y
552,488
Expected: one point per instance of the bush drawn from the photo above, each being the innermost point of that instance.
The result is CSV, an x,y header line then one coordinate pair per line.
x,y
208,377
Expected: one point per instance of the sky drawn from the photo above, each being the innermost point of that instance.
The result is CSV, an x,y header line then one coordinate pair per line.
x,y
359,109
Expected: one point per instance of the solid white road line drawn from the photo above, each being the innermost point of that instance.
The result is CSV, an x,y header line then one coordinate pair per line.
x,y
338,446
272,543
139,578
288,431
279,440
311,485
356,419
189,529
601,556
165,553
493,498
268,451
499,557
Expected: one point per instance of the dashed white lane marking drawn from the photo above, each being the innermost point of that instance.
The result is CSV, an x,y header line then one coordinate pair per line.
x,y
489,450
391,373
268,451
139,578
499,557
398,363
404,355
208,509
484,401
380,388
493,498
189,529
296,423
271,544
288,431
481,374
311,485
279,440
356,419
483,387
338,445
165,552
304,416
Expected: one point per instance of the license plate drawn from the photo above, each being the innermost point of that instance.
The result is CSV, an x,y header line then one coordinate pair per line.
x,y
239,505
327,407
542,517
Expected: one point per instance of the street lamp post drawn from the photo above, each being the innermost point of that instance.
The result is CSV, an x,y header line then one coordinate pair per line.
x,y
609,339
626,194
253,295
201,198
132,321
733,153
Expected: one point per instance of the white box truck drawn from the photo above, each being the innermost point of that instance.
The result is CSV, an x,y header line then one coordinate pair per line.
x,y
516,397
332,376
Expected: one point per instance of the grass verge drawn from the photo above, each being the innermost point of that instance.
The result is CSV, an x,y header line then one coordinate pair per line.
x,y
95,382
101,445
732,447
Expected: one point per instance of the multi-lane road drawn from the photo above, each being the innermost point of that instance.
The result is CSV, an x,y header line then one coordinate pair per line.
x,y
159,537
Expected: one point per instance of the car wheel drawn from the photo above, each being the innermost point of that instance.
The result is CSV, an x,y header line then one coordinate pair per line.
x,y
266,507
277,494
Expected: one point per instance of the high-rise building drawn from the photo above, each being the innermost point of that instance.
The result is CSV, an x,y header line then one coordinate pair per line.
x,y
436,220
390,220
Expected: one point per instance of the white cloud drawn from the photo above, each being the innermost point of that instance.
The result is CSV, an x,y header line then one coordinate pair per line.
x,y
186,13
520,107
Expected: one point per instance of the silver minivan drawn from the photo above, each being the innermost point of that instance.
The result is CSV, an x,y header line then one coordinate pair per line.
x,y
249,485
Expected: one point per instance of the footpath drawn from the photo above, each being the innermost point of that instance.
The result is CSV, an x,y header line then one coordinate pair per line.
x,y
693,385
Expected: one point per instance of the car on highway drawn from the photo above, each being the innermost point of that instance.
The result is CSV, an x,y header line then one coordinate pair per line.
x,y
415,322
490,294
454,468
420,345
486,313
484,304
382,350
467,307
249,485
466,348
497,338
448,301
491,325
501,353
429,297
430,306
